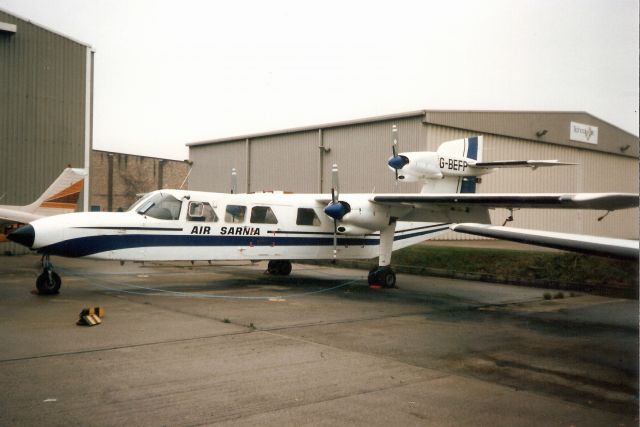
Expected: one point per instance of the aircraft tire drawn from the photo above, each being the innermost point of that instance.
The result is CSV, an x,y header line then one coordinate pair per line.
x,y
279,267
48,283
285,268
388,279
383,276
273,267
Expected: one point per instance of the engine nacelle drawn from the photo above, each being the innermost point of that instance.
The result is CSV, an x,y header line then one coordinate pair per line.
x,y
367,218
452,159
420,166
431,165
353,230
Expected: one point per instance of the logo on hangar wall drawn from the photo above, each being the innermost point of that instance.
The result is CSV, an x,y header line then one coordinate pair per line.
x,y
583,133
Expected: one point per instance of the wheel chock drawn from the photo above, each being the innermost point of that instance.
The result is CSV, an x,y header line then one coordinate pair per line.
x,y
89,320
98,311
91,316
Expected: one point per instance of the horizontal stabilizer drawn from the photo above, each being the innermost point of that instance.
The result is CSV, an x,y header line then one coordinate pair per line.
x,y
602,246
534,164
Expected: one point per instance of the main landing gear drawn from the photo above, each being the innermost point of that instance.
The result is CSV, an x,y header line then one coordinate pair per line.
x,y
279,267
382,276
48,282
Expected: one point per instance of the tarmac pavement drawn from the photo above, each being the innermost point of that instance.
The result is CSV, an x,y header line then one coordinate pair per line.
x,y
225,344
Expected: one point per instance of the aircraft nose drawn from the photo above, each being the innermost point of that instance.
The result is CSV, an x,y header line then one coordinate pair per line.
x,y
23,235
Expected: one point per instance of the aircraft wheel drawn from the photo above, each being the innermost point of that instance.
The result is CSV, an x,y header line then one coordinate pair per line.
x,y
372,276
272,267
383,276
285,268
279,267
48,283
388,279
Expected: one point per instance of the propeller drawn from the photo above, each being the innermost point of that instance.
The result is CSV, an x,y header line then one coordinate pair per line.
x,y
336,209
396,162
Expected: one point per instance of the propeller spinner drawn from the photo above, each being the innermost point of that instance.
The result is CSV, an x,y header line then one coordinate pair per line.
x,y
336,209
396,162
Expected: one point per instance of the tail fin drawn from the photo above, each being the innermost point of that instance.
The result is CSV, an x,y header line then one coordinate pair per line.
x,y
468,148
61,196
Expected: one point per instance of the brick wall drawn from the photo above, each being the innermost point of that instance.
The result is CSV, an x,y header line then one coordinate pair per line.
x,y
117,178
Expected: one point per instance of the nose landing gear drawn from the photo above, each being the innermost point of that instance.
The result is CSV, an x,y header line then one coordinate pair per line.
x,y
48,282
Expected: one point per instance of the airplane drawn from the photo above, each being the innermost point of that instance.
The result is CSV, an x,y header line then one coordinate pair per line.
x,y
61,197
185,225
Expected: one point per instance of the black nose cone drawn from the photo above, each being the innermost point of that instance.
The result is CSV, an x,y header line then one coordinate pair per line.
x,y
23,235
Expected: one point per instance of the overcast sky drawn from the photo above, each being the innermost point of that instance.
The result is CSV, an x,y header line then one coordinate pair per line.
x,y
168,73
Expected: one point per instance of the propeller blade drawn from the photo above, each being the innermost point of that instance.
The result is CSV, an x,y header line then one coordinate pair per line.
x,y
396,161
334,183
335,239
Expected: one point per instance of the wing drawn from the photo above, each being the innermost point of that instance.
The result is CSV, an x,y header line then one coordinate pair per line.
x,y
598,201
61,197
616,248
533,164
11,219
9,216
472,207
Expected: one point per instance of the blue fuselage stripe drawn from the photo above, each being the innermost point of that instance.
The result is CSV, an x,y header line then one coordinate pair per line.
x,y
85,246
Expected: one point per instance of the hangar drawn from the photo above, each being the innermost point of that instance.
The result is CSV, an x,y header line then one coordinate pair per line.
x,y
46,98
300,160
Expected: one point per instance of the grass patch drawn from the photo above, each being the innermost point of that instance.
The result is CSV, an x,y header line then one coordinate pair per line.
x,y
537,265
570,271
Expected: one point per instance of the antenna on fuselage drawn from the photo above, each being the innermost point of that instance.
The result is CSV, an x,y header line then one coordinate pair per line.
x,y
234,181
184,181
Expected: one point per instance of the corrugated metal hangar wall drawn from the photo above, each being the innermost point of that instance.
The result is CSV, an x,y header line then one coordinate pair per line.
x,y
45,108
299,160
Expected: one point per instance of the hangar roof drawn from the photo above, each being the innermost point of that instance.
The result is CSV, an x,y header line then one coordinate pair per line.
x,y
44,27
544,126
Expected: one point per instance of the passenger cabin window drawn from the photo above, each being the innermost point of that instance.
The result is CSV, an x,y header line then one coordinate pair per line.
x,y
201,211
307,216
161,206
263,215
235,213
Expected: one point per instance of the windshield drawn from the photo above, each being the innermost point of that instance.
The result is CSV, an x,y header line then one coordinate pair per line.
x,y
160,206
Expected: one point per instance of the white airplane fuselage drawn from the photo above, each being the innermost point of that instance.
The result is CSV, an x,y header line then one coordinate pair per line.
x,y
255,226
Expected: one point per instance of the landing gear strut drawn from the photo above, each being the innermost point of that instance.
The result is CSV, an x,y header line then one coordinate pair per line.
x,y
383,276
48,282
279,267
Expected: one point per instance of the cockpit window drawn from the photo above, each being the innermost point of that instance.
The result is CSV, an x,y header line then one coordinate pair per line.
x,y
161,206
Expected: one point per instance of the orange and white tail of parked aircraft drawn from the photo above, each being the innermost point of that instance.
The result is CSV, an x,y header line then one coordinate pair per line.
x,y
61,197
